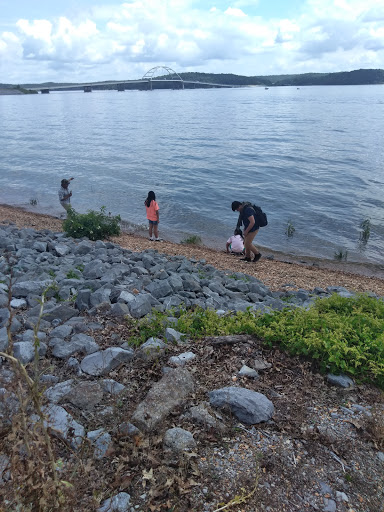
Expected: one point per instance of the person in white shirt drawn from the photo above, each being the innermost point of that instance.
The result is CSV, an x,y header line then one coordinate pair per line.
x,y
65,194
235,244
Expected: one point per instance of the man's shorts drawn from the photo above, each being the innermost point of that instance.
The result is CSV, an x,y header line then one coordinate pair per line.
x,y
153,222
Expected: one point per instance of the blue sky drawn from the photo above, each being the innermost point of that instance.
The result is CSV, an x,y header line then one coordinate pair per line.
x,y
88,40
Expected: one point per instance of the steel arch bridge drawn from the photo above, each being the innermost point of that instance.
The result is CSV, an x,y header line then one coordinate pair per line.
x,y
149,75
151,80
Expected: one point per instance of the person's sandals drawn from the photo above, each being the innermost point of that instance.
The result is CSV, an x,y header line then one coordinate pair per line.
x,y
245,259
257,257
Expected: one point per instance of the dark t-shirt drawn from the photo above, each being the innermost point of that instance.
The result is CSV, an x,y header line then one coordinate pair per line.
x,y
245,214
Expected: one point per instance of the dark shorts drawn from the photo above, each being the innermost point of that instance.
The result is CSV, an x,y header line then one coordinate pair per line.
x,y
153,222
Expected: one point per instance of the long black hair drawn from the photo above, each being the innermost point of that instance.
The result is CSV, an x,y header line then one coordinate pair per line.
x,y
238,232
151,197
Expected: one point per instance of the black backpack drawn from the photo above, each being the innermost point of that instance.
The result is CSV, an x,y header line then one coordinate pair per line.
x,y
260,217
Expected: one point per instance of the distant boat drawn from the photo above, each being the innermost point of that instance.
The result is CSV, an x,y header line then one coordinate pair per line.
x,y
266,88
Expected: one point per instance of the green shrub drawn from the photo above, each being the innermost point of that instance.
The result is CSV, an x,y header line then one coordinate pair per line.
x,y
290,229
365,233
341,255
192,240
344,335
93,225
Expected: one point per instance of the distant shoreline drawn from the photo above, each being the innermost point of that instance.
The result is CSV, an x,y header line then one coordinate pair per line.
x,y
354,77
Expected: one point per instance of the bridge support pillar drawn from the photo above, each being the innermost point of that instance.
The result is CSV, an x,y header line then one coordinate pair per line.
x,y
87,88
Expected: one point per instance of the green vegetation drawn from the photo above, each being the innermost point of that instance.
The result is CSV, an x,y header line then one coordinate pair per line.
x,y
192,240
343,335
290,229
341,254
72,275
365,227
357,77
93,225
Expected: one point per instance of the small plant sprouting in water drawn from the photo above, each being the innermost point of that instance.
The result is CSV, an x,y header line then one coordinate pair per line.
x,y
290,229
341,254
33,202
365,232
192,240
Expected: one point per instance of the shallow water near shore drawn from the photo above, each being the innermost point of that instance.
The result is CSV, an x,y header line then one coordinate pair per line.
x,y
311,157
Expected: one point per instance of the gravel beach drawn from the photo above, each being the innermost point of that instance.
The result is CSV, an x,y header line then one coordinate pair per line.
x,y
279,273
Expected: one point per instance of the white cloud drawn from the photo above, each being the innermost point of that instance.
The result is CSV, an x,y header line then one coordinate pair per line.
x,y
238,13
124,41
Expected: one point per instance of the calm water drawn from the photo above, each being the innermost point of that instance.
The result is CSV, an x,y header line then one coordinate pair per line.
x,y
313,156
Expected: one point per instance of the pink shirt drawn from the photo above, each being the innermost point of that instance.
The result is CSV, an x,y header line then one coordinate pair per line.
x,y
237,244
151,210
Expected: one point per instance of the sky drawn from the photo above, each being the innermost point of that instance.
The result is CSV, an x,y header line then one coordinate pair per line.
x,y
91,40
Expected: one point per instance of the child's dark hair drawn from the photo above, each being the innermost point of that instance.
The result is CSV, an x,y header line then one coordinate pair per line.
x,y
151,197
238,232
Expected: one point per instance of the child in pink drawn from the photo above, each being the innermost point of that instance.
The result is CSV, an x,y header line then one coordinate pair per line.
x,y
235,244
152,215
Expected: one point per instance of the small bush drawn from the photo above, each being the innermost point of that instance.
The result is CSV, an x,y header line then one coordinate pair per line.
x,y
290,229
93,225
341,255
192,240
365,233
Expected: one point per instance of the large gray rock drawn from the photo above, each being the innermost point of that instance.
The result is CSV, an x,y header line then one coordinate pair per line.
x,y
94,270
112,387
63,425
159,289
55,393
199,414
118,503
174,336
164,396
182,359
248,406
79,343
102,362
25,288
101,440
140,306
24,351
9,405
3,339
178,440
151,349
342,381
85,395
83,300
61,312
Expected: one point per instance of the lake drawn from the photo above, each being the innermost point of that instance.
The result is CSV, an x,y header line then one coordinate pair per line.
x,y
311,157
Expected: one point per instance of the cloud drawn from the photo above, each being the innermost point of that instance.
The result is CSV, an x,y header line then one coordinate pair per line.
x,y
125,40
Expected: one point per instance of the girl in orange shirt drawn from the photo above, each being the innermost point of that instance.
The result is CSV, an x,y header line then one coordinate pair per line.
x,y
152,215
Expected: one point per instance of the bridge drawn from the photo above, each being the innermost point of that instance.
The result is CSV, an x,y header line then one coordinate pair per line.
x,y
149,82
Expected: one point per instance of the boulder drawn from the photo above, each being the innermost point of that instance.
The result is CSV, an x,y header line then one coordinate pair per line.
x,y
248,406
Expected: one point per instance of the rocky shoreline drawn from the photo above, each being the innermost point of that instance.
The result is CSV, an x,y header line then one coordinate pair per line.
x,y
274,270
219,415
